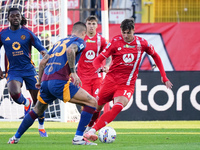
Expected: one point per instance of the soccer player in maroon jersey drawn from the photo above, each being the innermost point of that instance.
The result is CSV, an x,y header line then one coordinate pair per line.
x,y
126,51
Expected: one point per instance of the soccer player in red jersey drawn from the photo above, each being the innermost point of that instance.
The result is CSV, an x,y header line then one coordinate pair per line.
x,y
126,51
95,43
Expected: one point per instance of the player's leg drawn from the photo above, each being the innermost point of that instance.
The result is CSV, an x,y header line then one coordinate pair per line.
x,y
89,105
119,103
41,118
87,86
105,95
107,117
30,84
14,88
95,91
28,121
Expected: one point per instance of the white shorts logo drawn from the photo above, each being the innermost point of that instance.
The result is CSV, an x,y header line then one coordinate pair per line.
x,y
128,58
90,54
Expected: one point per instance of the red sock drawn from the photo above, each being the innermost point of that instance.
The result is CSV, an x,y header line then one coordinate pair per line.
x,y
108,116
95,117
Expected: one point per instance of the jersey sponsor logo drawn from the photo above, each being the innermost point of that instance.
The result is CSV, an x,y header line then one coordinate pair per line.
x,y
23,37
90,41
128,58
90,54
16,46
108,45
81,46
128,46
7,39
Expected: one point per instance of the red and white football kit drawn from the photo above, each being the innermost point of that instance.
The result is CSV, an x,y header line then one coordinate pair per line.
x,y
91,80
126,57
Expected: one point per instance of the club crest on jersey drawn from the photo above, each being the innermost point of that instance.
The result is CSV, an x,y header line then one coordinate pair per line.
x,y
119,48
128,58
90,54
90,41
23,37
128,46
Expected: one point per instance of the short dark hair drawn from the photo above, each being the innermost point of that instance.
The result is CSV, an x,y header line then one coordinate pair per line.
x,y
127,24
79,26
23,21
91,18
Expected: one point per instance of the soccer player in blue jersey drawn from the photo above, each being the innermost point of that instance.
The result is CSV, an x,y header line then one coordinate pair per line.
x,y
58,79
17,41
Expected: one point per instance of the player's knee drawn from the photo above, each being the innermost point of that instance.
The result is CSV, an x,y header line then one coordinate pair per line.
x,y
93,102
15,95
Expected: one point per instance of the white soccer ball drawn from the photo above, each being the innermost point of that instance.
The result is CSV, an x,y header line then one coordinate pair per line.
x,y
107,135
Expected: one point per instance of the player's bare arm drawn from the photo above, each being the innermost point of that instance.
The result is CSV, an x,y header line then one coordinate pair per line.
x,y
71,55
41,69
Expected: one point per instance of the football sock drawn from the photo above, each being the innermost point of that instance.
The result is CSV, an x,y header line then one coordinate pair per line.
x,y
94,117
86,115
19,98
108,116
41,121
26,123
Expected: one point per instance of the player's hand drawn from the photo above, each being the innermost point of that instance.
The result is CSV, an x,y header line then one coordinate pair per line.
x,y
1,74
168,84
75,79
99,70
38,85
43,53
105,69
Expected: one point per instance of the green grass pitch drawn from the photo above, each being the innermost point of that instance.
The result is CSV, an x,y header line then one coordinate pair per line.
x,y
131,135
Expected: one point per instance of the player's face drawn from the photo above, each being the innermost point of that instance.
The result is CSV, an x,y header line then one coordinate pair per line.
x,y
128,35
91,26
15,18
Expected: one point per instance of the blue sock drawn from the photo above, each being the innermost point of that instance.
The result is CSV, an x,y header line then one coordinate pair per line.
x,y
41,119
19,98
26,123
86,116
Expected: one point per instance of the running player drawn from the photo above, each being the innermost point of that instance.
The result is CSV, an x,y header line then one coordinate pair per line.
x,y
17,41
57,67
119,83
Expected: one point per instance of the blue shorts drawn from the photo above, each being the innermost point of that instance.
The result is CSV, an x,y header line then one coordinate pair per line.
x,y
29,77
53,89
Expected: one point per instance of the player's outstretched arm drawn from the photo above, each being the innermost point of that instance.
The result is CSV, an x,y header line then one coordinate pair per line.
x,y
159,63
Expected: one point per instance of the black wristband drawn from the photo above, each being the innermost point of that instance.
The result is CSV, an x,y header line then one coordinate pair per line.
x,y
72,70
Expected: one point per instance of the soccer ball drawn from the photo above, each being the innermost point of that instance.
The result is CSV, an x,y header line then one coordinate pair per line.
x,y
107,135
